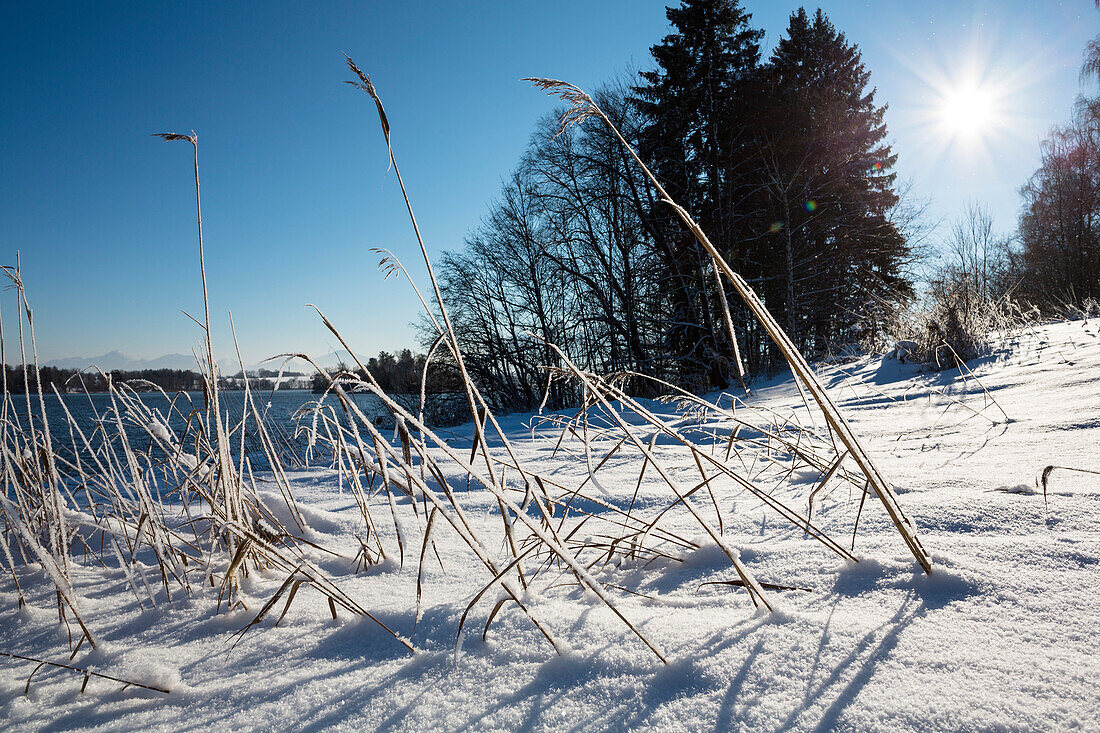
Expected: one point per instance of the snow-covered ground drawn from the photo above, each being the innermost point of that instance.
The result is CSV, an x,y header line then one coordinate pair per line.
x,y
1001,636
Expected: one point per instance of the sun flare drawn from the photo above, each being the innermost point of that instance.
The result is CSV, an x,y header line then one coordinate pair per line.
x,y
969,102
968,111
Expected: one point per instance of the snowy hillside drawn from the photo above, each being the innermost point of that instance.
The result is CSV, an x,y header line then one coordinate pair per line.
x,y
1001,636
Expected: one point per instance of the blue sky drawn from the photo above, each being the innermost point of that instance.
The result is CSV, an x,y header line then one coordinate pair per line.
x,y
294,176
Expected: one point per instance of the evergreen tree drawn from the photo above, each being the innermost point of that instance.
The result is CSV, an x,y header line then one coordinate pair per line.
x,y
694,142
828,249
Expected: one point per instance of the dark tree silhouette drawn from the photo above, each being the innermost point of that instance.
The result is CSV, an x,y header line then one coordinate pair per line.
x,y
827,247
694,142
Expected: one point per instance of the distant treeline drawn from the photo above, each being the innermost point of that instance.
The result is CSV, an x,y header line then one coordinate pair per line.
x,y
400,374
170,380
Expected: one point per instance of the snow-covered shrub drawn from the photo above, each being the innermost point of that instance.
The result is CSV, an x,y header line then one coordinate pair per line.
x,y
954,323
1083,310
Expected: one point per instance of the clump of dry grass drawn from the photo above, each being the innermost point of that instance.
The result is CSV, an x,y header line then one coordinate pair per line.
x,y
955,325
1080,310
182,499
189,500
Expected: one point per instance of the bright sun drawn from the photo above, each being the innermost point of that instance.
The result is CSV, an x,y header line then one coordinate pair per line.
x,y
968,111
968,101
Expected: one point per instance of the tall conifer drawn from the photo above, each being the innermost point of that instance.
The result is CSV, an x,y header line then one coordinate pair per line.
x,y
826,189
694,143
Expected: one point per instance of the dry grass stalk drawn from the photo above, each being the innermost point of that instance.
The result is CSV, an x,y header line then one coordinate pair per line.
x,y
88,674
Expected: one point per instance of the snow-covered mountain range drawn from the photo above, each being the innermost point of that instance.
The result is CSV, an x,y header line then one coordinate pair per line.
x,y
113,360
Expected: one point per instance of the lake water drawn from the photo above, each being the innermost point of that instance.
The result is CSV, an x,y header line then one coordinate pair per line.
x,y
94,414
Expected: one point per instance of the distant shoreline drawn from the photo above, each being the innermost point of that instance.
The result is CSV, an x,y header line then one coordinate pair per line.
x,y
221,389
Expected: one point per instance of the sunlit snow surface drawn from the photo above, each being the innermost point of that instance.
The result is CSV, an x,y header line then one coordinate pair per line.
x,y
1002,636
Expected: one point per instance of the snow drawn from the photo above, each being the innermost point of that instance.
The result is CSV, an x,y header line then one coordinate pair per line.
x,y
160,431
1001,636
